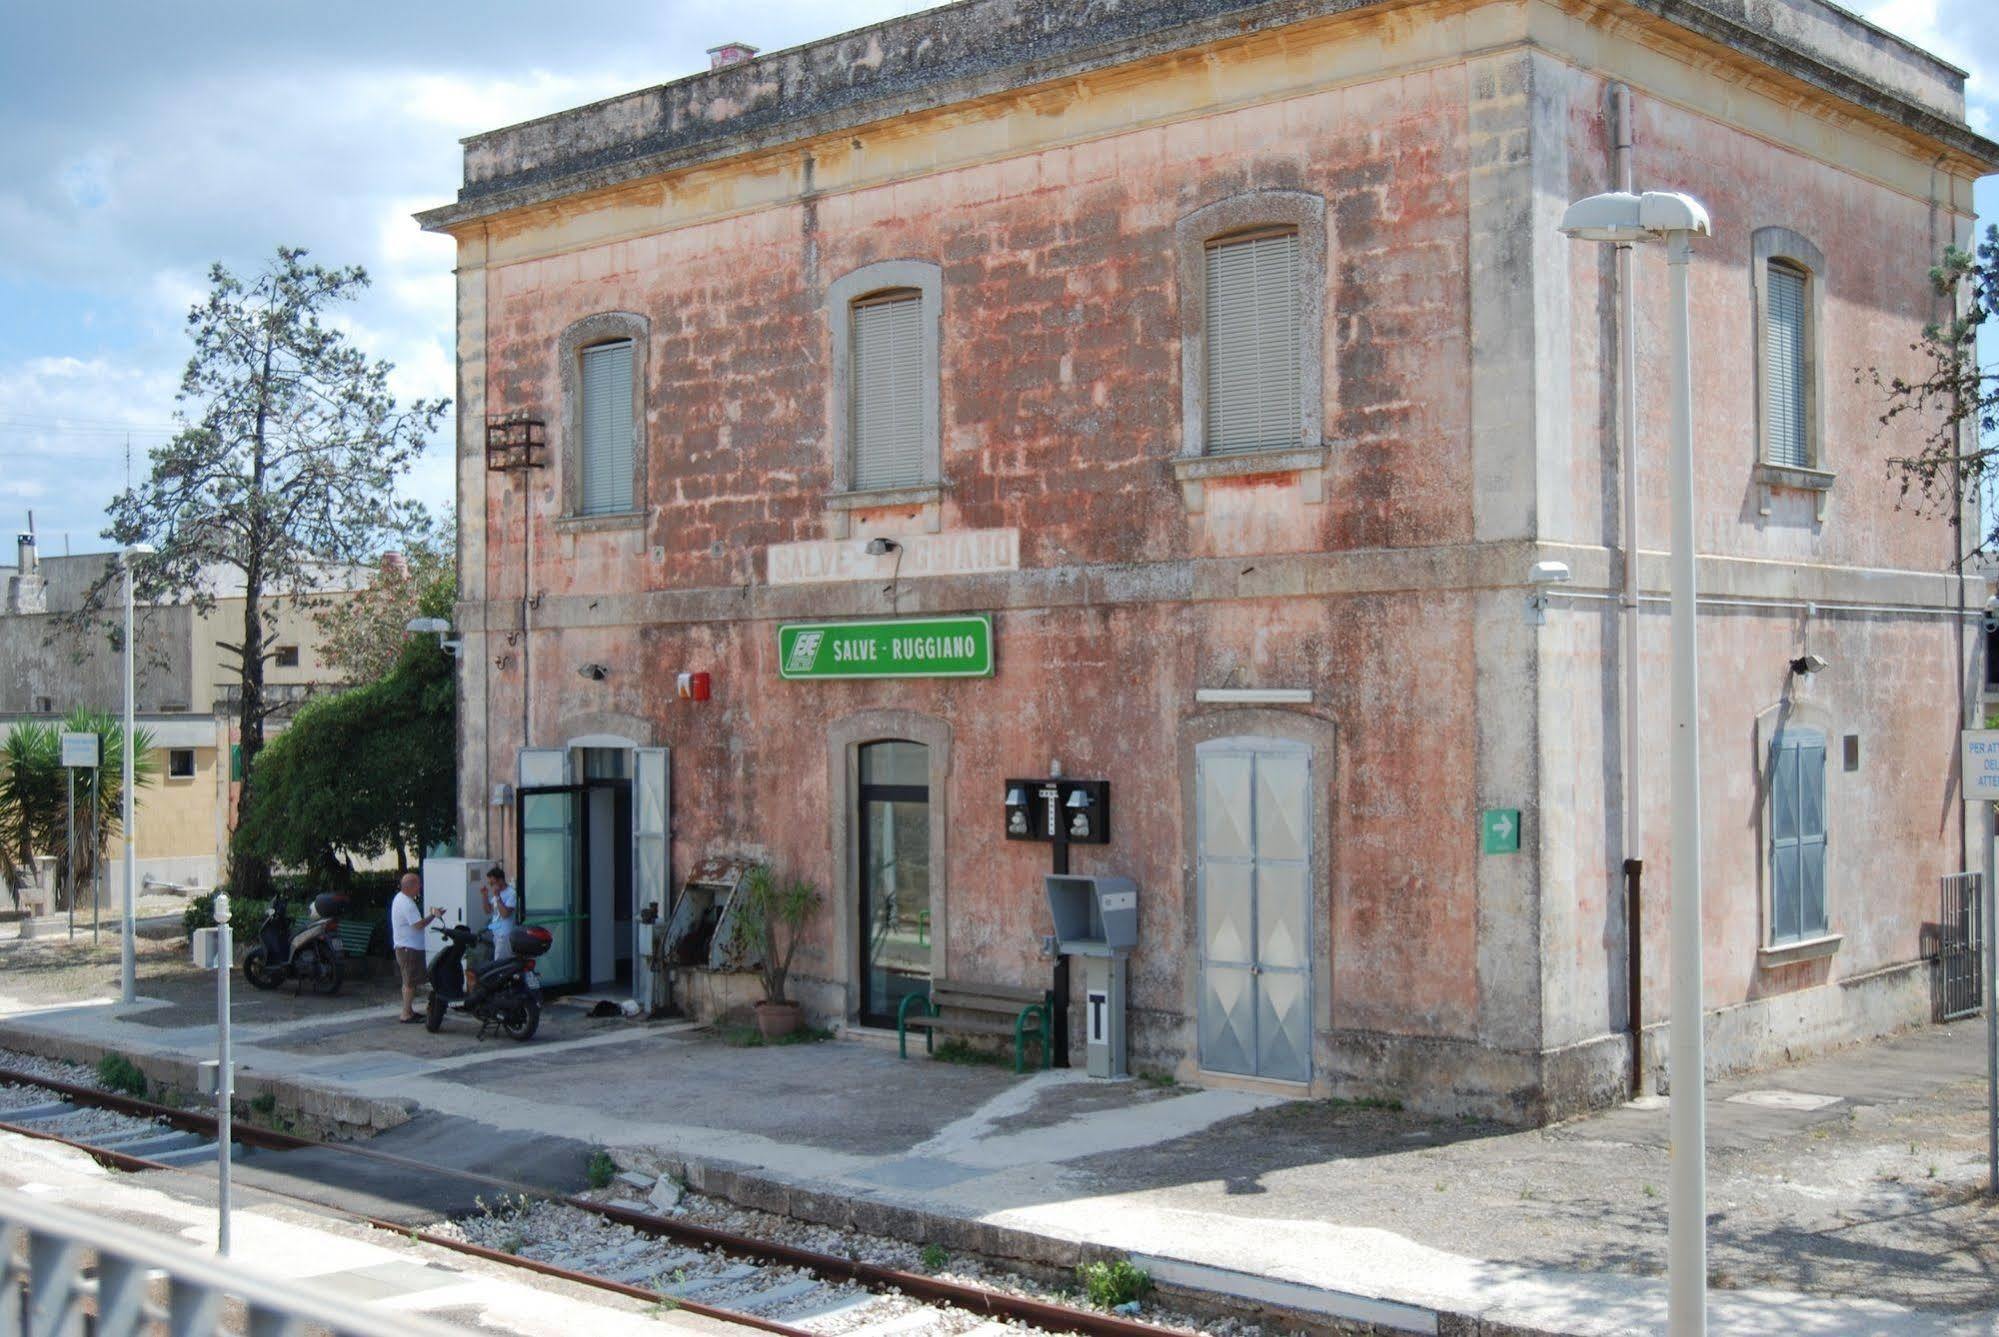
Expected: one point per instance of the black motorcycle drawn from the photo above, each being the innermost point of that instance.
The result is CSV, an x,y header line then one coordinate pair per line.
x,y
505,993
310,957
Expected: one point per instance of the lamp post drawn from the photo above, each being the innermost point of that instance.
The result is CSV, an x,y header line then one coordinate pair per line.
x,y
1622,218
128,959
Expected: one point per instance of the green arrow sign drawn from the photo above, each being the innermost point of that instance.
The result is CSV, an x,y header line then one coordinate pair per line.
x,y
918,647
1500,830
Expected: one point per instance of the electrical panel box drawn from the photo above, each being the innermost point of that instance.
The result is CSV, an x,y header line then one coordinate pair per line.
x,y
452,885
1094,916
207,947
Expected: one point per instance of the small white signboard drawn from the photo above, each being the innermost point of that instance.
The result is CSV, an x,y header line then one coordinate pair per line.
x,y
79,750
1981,765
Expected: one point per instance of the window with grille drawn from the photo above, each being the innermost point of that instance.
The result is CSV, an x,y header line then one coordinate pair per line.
x,y
607,429
1253,338
1797,836
886,414
1786,364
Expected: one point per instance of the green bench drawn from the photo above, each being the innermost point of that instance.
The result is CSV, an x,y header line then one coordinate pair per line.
x,y
978,1009
358,935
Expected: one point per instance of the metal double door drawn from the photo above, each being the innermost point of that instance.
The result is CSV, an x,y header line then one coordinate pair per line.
x,y
1254,871
554,873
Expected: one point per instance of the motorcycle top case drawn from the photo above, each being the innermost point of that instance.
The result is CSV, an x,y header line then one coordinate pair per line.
x,y
330,905
532,941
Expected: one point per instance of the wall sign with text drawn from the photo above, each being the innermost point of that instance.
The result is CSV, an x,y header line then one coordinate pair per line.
x,y
907,647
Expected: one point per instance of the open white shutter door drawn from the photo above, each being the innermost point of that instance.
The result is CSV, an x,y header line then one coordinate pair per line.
x,y
652,806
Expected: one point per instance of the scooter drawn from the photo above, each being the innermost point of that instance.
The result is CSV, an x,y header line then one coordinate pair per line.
x,y
312,956
504,993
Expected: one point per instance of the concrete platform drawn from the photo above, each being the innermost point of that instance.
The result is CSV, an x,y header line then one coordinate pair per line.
x,y
1843,1192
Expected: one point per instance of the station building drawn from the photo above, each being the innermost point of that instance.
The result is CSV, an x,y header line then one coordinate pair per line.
x,y
1218,368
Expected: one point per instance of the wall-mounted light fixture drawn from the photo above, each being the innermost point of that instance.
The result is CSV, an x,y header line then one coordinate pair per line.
x,y
594,672
882,547
1806,665
1542,575
438,627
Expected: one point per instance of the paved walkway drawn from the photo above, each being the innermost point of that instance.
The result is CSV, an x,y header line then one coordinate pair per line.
x,y
1843,1192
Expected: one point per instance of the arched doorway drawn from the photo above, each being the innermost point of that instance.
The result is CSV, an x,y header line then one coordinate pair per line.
x,y
893,830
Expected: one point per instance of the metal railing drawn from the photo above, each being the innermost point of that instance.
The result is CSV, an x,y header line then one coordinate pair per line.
x,y
66,1273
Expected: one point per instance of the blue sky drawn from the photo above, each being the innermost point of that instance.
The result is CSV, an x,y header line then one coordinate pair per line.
x,y
143,141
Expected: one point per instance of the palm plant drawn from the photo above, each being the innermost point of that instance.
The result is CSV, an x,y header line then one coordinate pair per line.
x,y
30,777
34,795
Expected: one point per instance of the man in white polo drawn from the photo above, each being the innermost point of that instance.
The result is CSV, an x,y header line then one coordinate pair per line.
x,y
406,925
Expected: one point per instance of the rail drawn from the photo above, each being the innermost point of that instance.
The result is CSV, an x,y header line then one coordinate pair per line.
x,y
66,1273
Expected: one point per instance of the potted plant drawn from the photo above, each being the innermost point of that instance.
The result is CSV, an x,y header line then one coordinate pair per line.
x,y
774,921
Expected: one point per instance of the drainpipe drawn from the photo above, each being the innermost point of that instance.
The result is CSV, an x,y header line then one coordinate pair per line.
x,y
1627,447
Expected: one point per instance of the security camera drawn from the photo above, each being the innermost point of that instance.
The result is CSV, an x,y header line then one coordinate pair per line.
x,y
595,672
1991,619
1806,665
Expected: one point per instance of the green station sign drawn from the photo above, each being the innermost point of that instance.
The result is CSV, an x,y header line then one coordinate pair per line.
x,y
909,647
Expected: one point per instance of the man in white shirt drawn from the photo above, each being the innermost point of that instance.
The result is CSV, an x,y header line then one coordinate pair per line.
x,y
406,925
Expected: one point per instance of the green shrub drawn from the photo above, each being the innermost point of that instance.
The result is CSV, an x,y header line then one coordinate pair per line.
x,y
246,916
1110,1284
601,1170
935,1257
117,1073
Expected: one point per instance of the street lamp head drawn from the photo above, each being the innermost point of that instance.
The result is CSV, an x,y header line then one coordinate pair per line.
x,y
1622,217
421,625
138,550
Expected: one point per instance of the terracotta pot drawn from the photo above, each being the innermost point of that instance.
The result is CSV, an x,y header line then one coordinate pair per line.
x,y
777,1020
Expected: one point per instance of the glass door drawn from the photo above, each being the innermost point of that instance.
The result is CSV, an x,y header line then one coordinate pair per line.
x,y
894,834
553,823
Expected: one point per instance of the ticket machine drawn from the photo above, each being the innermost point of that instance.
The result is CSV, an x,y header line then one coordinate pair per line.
x,y
1096,918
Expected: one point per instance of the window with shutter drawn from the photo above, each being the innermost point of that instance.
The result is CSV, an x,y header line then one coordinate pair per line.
x,y
1786,363
886,414
1797,836
1253,338
607,429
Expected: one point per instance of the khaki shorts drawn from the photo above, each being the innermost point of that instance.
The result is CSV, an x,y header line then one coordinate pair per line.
x,y
410,961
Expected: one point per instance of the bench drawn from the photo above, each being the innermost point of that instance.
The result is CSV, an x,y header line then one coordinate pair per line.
x,y
358,935
1026,1012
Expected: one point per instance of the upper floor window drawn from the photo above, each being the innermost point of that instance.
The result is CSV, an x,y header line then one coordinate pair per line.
x,y
887,390
1788,279
1253,342
1797,836
286,656
606,444
603,443
886,416
1252,294
180,763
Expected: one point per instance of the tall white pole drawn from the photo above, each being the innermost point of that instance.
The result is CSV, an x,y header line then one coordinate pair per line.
x,y
127,951
225,1074
1686,1254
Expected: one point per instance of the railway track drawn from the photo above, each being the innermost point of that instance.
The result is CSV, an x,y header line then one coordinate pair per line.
x,y
756,1283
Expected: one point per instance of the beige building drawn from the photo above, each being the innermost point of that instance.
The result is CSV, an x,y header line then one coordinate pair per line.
x,y
185,693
